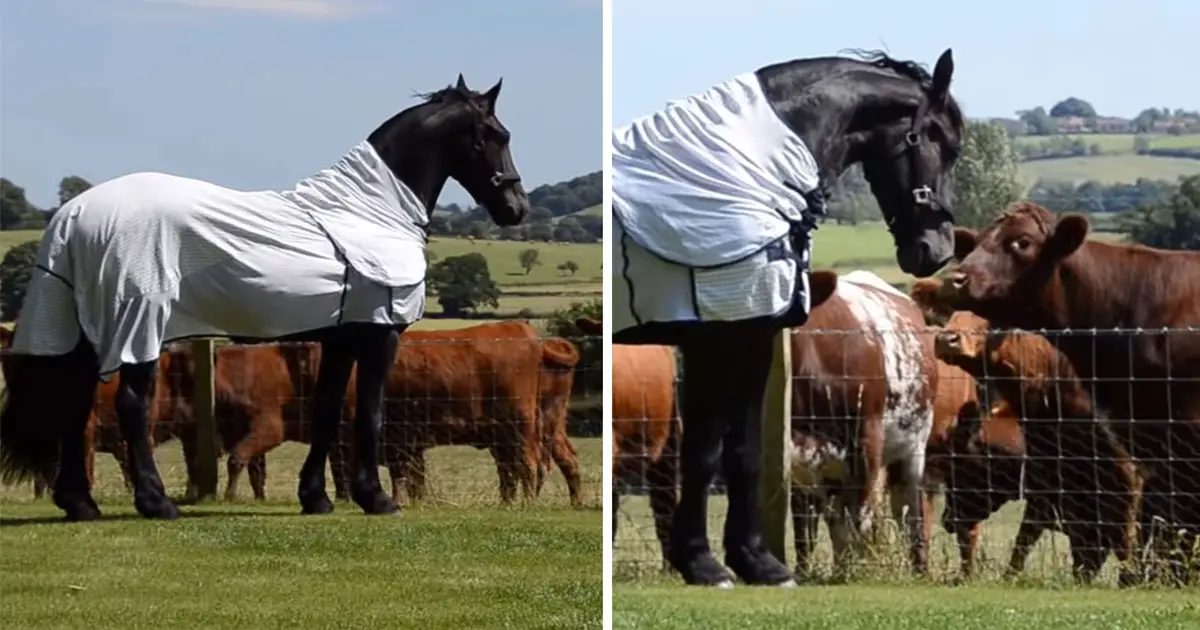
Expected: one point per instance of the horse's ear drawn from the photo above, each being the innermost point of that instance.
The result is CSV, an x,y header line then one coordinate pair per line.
x,y
461,85
491,95
965,240
942,72
821,283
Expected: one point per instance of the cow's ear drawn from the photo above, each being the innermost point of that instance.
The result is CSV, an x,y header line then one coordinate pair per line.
x,y
1070,232
965,240
927,293
821,283
589,326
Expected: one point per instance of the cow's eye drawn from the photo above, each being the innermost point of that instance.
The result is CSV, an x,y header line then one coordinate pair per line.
x,y
1019,244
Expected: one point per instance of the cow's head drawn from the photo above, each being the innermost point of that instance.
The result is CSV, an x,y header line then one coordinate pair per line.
x,y
983,470
1006,266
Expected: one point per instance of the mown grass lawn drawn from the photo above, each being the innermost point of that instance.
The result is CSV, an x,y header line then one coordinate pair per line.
x,y
457,561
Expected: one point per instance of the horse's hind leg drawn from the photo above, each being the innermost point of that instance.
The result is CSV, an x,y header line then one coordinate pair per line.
x,y
72,490
257,471
133,414
376,348
337,359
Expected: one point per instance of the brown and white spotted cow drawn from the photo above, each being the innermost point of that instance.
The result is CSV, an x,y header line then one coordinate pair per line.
x,y
865,381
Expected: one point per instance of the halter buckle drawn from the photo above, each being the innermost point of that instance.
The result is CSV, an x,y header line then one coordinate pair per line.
x,y
923,196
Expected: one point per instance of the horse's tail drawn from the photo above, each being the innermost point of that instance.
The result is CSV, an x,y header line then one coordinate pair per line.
x,y
41,395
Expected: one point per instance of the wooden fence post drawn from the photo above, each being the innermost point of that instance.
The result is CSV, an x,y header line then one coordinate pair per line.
x,y
776,447
204,408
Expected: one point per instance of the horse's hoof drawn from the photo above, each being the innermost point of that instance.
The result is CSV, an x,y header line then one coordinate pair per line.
x,y
703,569
319,505
77,507
759,567
377,503
162,509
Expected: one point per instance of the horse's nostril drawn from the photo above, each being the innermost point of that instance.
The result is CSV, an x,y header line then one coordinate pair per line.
x,y
958,279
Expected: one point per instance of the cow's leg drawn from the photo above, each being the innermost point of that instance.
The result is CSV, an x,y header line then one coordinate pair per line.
x,y
908,508
662,477
257,471
133,415
567,460
187,441
376,354
806,514
969,536
337,360
266,433
1034,522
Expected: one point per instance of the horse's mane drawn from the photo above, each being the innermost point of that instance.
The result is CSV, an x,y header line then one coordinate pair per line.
x,y
439,96
909,69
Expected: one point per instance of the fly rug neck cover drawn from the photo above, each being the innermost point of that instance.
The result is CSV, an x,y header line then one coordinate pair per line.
x,y
711,217
147,258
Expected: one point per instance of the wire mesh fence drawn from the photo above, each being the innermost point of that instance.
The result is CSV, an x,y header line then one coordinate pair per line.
x,y
472,416
1049,456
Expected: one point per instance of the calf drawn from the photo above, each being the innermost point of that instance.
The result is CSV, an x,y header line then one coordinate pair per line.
x,y
863,407
1042,443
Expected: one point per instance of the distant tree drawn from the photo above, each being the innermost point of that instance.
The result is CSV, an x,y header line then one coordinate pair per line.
x,y
479,229
463,283
1141,144
540,231
1040,123
985,176
569,267
1073,107
71,187
528,259
512,233
15,270
1170,224
15,210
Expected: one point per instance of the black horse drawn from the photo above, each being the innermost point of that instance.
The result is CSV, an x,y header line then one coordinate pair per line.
x,y
905,129
454,133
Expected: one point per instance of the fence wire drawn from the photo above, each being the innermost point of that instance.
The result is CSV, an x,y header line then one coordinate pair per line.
x,y
470,418
1033,469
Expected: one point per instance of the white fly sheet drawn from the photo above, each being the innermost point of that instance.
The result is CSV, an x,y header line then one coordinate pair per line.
x,y
147,258
703,209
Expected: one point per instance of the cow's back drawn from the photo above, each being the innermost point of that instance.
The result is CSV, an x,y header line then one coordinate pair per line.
x,y
864,352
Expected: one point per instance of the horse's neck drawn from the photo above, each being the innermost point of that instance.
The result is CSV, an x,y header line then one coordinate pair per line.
x,y
417,160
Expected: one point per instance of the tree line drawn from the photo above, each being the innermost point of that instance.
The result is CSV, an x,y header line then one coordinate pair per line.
x,y
549,202
985,179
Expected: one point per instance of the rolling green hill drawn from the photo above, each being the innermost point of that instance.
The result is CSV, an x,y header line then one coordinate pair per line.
x,y
1109,169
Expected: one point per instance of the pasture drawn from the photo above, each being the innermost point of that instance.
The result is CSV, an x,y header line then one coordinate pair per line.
x,y
1116,142
1109,169
456,560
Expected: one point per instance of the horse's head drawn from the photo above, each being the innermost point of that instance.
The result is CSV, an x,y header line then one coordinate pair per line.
x,y
911,134
458,135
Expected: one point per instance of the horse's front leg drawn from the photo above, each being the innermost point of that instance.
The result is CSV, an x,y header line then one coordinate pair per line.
x,y
741,455
133,415
376,354
337,359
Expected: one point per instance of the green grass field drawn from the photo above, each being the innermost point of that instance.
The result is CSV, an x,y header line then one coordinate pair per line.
x,y
883,594
458,560
1117,143
1109,169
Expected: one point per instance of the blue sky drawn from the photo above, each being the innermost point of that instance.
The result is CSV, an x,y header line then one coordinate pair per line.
x,y
255,94
1017,54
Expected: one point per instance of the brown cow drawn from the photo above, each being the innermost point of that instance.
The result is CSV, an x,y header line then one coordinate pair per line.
x,y
1033,270
645,430
555,382
1043,438
473,386
865,382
